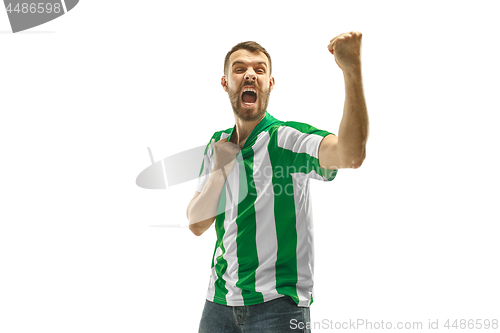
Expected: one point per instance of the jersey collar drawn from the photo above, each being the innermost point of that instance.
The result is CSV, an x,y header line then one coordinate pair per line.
x,y
263,124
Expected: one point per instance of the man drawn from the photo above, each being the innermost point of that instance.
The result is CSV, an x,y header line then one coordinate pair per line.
x,y
254,183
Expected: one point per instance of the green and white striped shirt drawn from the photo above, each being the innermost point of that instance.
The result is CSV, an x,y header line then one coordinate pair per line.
x,y
264,248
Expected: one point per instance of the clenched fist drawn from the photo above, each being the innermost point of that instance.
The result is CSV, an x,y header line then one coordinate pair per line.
x,y
346,48
225,155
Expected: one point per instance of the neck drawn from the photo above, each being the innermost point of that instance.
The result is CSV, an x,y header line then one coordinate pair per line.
x,y
243,130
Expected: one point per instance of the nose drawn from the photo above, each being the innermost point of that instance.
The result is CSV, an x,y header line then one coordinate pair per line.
x,y
250,76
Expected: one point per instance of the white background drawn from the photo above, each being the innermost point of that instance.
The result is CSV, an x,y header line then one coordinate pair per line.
x,y
412,235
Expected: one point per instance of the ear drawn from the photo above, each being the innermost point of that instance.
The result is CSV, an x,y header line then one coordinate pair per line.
x,y
271,84
223,82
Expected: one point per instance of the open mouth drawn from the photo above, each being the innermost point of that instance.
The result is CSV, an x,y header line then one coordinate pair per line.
x,y
249,96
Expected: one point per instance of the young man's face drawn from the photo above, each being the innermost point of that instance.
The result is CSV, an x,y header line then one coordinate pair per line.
x,y
248,83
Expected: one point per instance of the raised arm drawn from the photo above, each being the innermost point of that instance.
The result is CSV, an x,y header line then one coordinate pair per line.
x,y
348,150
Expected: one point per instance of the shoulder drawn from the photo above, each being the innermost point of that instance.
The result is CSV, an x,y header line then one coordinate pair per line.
x,y
299,126
216,136
290,128
299,129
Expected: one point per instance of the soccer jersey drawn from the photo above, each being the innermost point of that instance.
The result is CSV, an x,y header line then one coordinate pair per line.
x,y
265,245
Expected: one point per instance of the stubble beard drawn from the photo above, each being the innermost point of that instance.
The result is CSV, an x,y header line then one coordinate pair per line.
x,y
247,114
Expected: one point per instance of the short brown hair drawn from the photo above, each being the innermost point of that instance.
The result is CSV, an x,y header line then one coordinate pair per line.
x,y
250,46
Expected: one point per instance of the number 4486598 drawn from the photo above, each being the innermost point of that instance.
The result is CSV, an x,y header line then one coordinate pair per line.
x,y
34,8
472,324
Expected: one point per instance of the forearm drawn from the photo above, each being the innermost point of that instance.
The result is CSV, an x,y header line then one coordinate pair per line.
x,y
202,210
353,130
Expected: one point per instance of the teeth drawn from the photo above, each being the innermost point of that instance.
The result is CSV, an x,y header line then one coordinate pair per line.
x,y
250,89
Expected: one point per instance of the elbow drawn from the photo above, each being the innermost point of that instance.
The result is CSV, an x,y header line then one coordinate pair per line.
x,y
354,162
357,163
351,156
199,227
194,228
196,231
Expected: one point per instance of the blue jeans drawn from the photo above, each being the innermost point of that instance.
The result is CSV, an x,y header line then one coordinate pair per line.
x,y
275,316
